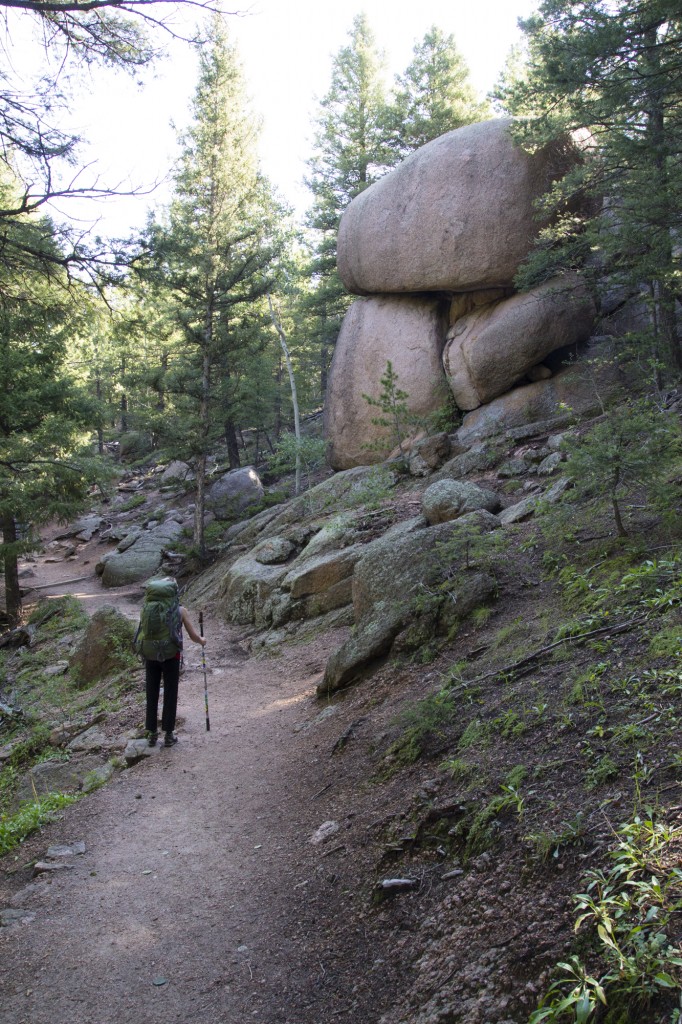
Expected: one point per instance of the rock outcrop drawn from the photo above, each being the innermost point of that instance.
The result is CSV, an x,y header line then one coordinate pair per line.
x,y
387,580
139,558
579,388
436,246
105,648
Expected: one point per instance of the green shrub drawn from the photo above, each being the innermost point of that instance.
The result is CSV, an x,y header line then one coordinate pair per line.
x,y
14,828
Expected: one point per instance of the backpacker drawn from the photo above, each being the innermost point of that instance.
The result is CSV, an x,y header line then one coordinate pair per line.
x,y
159,635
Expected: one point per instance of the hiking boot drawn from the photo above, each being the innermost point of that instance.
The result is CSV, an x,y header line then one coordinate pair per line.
x,y
152,737
170,739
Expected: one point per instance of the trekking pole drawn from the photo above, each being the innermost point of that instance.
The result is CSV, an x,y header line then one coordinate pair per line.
x,y
203,662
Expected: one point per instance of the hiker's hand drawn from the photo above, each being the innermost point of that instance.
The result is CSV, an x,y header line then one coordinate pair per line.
x,y
202,641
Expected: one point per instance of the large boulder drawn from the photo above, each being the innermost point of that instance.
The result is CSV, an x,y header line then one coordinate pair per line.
x,y
456,215
176,472
408,332
489,350
106,647
246,587
446,500
318,574
142,558
394,570
234,492
53,776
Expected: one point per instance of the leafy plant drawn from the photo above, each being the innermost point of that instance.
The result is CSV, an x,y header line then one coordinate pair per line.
x,y
311,451
426,718
14,828
550,842
136,501
628,910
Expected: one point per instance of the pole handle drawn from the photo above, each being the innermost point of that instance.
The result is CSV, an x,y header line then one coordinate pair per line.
x,y
201,623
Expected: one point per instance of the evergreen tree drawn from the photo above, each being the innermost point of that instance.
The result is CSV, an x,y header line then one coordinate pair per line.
x,y
433,97
351,153
214,252
47,462
612,67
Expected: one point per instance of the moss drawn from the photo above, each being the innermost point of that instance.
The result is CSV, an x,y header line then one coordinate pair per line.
x,y
106,648
667,643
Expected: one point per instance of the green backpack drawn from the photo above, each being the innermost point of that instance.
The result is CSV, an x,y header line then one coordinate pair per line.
x,y
159,635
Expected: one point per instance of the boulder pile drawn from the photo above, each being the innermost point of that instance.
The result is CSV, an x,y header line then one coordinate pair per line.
x,y
433,249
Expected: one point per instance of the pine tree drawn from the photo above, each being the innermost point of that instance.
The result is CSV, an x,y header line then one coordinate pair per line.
x,y
614,69
47,462
214,251
351,153
433,96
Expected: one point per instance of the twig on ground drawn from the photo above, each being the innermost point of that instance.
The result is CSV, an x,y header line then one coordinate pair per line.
x,y
62,583
618,628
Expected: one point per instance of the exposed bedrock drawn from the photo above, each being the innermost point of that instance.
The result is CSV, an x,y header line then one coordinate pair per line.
x,y
404,330
577,390
457,215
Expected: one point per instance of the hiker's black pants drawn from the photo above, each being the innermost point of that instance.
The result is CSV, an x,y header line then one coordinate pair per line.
x,y
169,671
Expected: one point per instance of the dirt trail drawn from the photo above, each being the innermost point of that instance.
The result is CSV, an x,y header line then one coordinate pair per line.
x,y
192,901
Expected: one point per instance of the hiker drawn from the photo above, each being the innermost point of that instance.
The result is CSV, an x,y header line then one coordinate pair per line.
x,y
159,641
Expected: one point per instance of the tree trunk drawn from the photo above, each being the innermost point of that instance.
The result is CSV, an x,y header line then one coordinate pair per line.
x,y
278,400
12,591
232,445
100,431
161,400
200,483
658,143
199,504
294,396
622,532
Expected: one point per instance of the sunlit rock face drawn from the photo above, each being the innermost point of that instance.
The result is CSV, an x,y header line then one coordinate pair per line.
x,y
457,215
409,333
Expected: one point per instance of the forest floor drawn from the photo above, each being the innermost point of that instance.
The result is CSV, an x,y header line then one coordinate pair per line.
x,y
200,896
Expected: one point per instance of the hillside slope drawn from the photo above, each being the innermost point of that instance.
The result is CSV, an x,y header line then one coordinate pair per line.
x,y
489,768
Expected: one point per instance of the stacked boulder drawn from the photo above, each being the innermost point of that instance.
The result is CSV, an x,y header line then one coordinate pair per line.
x,y
433,248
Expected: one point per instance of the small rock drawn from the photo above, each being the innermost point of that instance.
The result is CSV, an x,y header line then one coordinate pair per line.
x,y
91,739
61,850
548,465
512,468
58,669
329,828
137,750
43,867
390,885
9,917
97,777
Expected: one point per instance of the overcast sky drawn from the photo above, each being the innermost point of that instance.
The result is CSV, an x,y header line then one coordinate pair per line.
x,y
286,48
